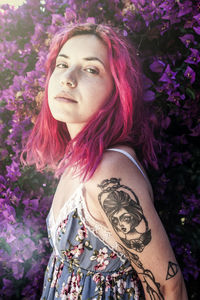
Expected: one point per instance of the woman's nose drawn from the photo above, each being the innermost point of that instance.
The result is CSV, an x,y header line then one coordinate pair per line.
x,y
69,79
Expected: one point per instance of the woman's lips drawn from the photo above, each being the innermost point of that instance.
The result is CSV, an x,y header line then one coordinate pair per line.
x,y
65,99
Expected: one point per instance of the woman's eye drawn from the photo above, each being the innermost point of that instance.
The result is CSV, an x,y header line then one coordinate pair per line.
x,y
61,65
92,71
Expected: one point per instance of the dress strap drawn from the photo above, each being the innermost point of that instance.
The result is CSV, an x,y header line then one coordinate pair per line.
x,y
130,157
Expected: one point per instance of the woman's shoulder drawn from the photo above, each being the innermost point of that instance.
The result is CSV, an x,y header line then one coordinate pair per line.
x,y
120,163
119,155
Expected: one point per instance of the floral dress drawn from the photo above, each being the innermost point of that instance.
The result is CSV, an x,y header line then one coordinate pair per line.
x,y
86,262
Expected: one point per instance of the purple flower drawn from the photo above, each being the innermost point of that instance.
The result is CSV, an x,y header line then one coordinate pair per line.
x,y
197,18
184,8
187,39
163,27
58,20
168,75
125,33
2,183
194,57
176,97
195,131
190,74
28,244
70,15
91,20
168,87
8,212
18,270
14,196
184,210
3,154
10,234
135,26
149,96
8,288
193,201
189,23
167,5
170,11
166,122
31,203
13,171
196,219
36,37
147,83
157,66
197,30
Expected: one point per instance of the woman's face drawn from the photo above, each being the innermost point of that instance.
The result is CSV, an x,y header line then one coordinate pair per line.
x,y
81,82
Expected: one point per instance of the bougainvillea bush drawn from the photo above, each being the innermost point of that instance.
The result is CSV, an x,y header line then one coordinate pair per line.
x,y
166,36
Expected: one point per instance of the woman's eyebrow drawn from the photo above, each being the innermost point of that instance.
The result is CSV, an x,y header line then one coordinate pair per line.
x,y
90,58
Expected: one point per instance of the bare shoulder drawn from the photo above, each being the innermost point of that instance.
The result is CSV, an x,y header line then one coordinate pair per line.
x,y
117,165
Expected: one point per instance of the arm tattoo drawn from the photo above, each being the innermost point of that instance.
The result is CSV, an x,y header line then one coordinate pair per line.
x,y
172,270
152,287
125,213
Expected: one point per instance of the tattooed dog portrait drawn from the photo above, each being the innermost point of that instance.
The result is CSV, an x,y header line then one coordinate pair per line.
x,y
122,207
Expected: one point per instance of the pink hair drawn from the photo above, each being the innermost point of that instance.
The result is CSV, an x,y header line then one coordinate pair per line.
x,y
120,121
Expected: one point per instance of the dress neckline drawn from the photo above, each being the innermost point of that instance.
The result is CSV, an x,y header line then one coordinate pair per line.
x,y
57,221
77,202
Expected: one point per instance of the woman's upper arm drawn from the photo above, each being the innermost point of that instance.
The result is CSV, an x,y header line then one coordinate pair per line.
x,y
123,199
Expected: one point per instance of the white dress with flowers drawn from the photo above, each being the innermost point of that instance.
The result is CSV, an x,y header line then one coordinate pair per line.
x,y
86,262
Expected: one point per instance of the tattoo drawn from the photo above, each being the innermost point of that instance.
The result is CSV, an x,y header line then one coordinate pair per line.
x,y
172,270
152,287
125,213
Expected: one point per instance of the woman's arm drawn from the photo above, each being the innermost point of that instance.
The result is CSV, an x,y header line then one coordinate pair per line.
x,y
121,195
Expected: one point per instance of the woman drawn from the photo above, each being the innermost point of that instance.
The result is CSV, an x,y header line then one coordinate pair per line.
x,y
104,230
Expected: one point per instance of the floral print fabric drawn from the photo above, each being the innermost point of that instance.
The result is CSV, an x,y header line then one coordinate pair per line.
x,y
83,267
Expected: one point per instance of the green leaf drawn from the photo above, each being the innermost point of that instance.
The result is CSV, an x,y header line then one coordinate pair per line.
x,y
190,93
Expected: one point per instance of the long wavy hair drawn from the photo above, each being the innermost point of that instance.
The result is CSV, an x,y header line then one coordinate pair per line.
x,y
121,120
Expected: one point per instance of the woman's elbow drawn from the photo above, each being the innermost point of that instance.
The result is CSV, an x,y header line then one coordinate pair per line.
x,y
174,289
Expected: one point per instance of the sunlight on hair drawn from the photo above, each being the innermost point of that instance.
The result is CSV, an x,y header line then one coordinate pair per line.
x,y
14,3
